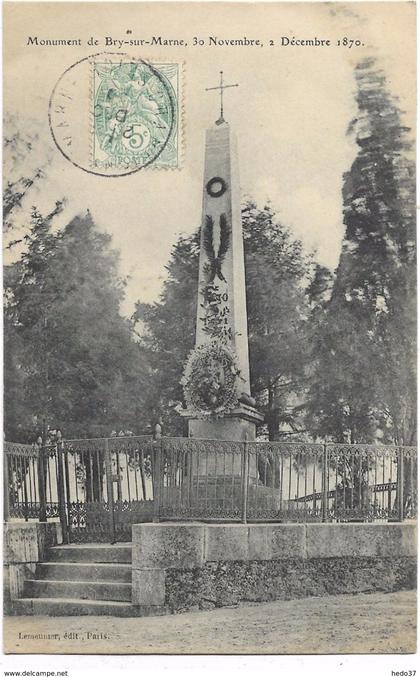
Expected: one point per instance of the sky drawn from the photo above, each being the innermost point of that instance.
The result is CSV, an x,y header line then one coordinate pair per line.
x,y
290,113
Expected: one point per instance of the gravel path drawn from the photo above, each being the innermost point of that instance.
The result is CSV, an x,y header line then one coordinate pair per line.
x,y
364,623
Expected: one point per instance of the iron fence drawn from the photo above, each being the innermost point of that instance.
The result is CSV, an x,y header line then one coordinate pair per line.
x,y
107,486
30,487
260,481
98,488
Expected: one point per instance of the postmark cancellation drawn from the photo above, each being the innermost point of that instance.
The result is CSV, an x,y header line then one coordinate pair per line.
x,y
115,114
135,114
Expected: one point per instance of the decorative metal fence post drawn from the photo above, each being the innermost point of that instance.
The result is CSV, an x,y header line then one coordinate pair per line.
x,y
389,502
6,488
67,483
41,480
400,492
157,461
61,494
189,470
324,505
245,473
109,490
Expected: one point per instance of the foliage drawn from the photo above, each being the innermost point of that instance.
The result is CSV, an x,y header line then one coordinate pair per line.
x,y
70,356
363,381
166,333
277,274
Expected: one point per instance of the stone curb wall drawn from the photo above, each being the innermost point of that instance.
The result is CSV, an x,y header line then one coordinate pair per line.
x,y
183,565
24,545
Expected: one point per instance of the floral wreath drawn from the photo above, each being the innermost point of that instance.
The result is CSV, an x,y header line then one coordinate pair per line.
x,y
209,379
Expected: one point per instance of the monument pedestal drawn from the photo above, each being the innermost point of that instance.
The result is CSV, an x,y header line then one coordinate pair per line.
x,y
237,426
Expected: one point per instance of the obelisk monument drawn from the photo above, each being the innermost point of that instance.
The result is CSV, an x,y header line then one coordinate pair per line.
x,y
217,374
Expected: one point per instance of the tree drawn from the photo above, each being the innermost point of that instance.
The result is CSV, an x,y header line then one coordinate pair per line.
x,y
75,361
276,271
364,376
167,333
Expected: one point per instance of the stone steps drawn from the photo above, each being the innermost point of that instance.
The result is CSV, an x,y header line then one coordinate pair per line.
x,y
56,606
82,580
82,590
84,571
95,552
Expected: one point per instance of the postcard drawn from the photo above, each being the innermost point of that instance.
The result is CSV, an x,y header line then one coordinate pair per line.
x,y
209,328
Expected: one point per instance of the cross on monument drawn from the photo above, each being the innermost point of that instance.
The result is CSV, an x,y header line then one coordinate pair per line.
x,y
221,87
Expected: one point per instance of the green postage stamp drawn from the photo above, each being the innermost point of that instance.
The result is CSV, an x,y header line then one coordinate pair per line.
x,y
135,112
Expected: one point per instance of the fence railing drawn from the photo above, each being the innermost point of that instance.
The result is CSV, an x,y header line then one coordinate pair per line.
x,y
251,481
108,486
21,492
97,488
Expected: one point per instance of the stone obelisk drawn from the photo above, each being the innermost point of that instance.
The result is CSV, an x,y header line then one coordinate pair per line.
x,y
221,306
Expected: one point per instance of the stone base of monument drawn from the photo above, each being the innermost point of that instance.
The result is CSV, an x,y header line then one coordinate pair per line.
x,y
239,425
207,497
216,469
